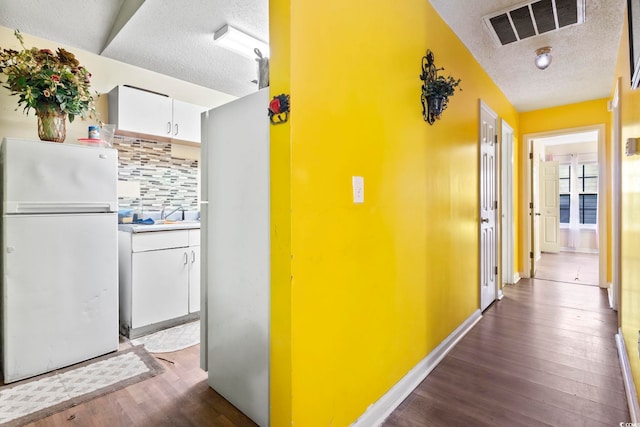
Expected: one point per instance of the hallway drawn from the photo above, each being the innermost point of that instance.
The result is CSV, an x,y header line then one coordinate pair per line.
x,y
544,355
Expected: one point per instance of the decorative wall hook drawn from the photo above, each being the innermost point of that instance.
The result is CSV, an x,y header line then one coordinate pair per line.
x,y
279,109
436,89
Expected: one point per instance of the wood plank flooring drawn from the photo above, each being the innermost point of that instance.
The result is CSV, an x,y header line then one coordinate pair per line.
x,y
180,396
570,267
543,356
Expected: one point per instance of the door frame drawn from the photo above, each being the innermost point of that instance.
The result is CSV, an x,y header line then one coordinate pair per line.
x,y
525,191
507,223
616,185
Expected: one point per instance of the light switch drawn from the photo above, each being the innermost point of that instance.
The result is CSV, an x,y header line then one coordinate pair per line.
x,y
358,189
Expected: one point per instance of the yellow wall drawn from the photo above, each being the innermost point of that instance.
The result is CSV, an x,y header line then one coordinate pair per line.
x,y
570,116
630,222
362,293
107,73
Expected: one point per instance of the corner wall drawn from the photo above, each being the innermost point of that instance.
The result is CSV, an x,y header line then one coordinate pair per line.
x,y
362,292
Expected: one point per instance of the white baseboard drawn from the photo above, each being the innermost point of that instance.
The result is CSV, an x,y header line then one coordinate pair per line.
x,y
383,407
516,278
629,385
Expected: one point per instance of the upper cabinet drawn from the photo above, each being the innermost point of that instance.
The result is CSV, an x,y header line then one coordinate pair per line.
x,y
141,112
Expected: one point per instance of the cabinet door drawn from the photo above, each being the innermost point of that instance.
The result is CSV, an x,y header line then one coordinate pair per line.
x,y
186,121
160,286
144,112
194,279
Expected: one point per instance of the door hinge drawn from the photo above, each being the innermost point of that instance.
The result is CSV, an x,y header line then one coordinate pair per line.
x,y
531,255
530,156
495,270
495,138
530,205
495,204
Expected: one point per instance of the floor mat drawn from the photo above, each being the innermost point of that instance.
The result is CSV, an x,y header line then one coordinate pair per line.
x,y
172,339
31,399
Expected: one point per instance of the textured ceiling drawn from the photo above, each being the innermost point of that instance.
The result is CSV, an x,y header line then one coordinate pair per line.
x,y
170,37
175,38
584,56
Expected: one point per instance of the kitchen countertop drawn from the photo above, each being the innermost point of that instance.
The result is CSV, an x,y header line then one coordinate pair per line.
x,y
169,226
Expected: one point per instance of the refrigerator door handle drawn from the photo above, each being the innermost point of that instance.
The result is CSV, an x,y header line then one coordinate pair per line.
x,y
58,207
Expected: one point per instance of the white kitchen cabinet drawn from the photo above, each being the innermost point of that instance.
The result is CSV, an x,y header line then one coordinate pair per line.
x,y
194,271
186,121
159,279
138,111
160,286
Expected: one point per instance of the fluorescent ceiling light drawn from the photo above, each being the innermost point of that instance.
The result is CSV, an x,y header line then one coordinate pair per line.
x,y
239,42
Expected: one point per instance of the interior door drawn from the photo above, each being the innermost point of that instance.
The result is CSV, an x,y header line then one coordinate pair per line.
x,y
549,207
488,206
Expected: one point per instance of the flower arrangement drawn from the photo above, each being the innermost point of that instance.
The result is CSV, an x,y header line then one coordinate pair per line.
x,y
47,82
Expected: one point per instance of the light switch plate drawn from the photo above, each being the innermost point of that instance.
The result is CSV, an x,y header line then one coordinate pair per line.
x,y
358,189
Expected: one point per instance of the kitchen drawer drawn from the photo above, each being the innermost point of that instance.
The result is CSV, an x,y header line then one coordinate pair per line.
x,y
194,237
141,242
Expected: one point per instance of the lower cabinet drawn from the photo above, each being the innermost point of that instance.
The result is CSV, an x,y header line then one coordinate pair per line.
x,y
159,279
194,279
160,286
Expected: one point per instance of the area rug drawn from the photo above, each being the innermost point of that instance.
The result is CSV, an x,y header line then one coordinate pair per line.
x,y
172,339
32,399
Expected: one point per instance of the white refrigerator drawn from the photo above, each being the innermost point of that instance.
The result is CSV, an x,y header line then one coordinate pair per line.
x,y
235,252
59,255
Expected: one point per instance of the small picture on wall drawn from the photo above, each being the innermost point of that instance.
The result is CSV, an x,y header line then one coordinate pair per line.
x,y
633,9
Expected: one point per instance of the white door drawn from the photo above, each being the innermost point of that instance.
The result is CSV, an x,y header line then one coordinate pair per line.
x,y
488,206
549,207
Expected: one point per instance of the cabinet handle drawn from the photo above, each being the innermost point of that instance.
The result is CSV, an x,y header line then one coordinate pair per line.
x,y
186,258
193,257
176,128
169,128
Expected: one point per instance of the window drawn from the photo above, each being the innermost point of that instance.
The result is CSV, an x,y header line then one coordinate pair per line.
x,y
564,176
588,189
587,192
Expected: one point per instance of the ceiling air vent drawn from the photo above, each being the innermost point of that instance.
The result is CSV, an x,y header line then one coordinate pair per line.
x,y
534,18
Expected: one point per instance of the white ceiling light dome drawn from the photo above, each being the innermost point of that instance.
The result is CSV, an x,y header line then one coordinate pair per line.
x,y
543,57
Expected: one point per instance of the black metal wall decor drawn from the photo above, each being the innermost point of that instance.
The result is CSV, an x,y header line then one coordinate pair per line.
x,y
436,89
279,109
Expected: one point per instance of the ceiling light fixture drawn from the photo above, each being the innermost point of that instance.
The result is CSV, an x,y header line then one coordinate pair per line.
x,y
543,57
239,42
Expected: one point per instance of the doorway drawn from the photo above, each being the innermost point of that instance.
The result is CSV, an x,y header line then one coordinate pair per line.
x,y
581,216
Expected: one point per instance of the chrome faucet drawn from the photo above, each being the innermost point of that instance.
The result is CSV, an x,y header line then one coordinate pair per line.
x,y
179,208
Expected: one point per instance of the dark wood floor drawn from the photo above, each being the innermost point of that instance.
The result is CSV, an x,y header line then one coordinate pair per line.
x,y
544,355
179,396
